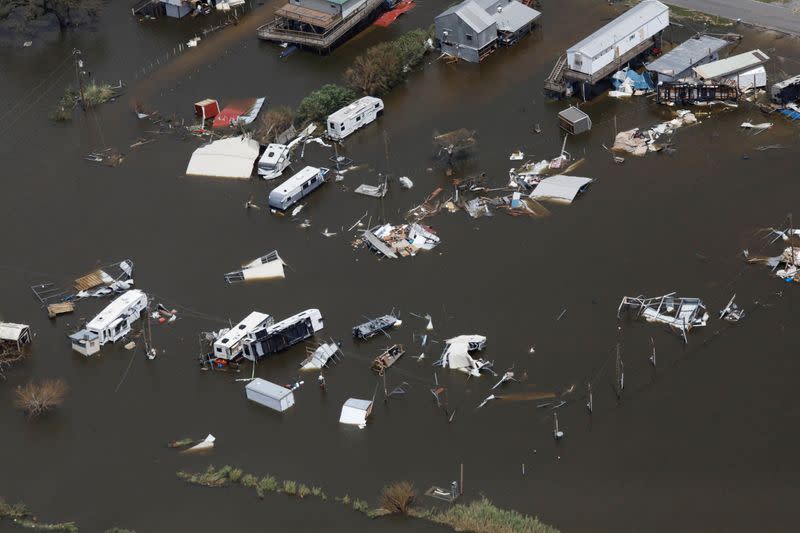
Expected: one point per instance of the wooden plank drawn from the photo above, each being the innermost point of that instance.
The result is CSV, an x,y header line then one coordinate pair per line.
x,y
89,281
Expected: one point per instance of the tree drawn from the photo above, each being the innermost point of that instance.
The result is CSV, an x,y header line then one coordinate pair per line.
x,y
322,102
39,398
376,71
273,122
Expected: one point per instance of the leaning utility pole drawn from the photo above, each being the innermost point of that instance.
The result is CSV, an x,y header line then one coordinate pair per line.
x,y
78,76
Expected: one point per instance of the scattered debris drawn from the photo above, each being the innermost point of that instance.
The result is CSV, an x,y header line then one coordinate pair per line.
x,y
376,325
456,355
375,191
60,308
560,188
757,127
404,240
731,313
321,356
269,266
269,394
239,113
680,314
388,358
203,445
557,433
405,182
486,400
508,376
628,82
517,156
639,142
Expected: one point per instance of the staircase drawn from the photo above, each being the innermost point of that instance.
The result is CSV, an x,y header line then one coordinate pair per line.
x,y
555,81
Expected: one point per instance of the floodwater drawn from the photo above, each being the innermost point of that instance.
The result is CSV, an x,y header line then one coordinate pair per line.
x,y
705,442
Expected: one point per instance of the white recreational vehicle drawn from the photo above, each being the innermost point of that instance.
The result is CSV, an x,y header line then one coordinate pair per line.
x,y
358,114
111,324
274,161
282,335
229,345
292,190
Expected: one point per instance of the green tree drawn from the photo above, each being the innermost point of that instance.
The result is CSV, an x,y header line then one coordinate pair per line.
x,y
322,102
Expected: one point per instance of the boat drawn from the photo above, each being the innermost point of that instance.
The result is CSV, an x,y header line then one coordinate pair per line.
x,y
388,358
376,325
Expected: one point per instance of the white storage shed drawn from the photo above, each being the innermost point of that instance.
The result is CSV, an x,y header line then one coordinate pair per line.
x,y
269,394
621,35
357,115
355,412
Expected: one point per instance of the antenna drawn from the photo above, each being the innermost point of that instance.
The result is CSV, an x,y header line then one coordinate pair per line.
x,y
590,402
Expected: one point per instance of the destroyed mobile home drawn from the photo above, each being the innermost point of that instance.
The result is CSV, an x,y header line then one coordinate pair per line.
x,y
322,356
456,355
680,314
111,324
639,142
405,240
274,338
786,265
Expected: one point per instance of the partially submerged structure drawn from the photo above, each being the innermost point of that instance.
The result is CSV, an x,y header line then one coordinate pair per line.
x,y
229,344
269,266
640,142
400,241
745,71
318,24
387,358
560,188
14,336
239,113
456,355
269,394
695,92
353,117
574,121
786,91
232,157
473,29
680,314
356,412
277,337
678,62
609,48
297,187
376,325
111,324
273,161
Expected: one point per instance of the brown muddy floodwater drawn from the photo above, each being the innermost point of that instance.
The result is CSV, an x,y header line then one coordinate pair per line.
x,y
705,442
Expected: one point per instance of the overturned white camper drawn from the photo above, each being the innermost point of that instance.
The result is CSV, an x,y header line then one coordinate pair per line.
x,y
229,345
298,186
269,394
280,336
273,161
358,114
111,324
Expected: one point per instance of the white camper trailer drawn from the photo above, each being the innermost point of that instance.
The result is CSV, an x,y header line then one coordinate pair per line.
x,y
282,335
269,394
273,161
229,346
298,186
358,114
111,324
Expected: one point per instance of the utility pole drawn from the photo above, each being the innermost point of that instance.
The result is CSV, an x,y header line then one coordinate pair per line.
x,y
79,76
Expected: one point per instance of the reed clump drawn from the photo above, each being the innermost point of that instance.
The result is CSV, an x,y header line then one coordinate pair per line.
x,y
482,515
398,497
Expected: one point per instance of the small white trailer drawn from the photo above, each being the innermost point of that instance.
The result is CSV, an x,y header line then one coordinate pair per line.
x,y
298,186
269,394
111,324
274,161
357,115
229,346
355,412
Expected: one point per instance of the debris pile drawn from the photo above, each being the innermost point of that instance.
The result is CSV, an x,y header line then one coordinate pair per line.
x,y
680,314
639,142
403,240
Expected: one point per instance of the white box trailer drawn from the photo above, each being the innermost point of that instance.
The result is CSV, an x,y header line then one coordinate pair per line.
x,y
269,394
297,187
357,115
229,346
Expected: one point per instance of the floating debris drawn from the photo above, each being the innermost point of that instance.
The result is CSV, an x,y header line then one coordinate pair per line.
x,y
680,314
731,313
487,400
507,377
269,266
404,240
388,358
405,182
204,445
456,355
639,142
321,356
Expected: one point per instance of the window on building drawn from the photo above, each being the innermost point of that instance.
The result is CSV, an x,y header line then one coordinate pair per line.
x,y
358,119
469,37
333,125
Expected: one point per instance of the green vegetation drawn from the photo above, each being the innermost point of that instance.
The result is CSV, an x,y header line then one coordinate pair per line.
x,y
318,105
228,475
482,515
386,65
21,516
93,94
398,497
681,13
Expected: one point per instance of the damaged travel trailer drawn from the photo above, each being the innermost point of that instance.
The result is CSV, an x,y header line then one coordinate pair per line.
x,y
273,161
388,358
376,325
282,335
356,115
680,314
297,187
229,344
456,355
111,324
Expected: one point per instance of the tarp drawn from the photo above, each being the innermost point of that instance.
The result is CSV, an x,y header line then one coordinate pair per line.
x,y
239,112
639,82
390,16
791,113
232,157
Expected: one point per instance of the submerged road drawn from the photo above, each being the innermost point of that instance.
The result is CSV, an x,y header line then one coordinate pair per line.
x,y
767,15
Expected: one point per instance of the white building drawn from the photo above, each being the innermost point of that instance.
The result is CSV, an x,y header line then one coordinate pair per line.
x,y
111,324
269,394
625,33
745,70
355,412
354,116
14,334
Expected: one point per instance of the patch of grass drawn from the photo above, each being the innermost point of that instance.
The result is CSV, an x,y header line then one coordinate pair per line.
x,y
361,506
481,515
289,487
97,93
398,497
21,516
210,478
303,490
316,491
249,480
681,13
266,484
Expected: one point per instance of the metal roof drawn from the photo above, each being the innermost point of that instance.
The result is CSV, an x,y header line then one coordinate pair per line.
x,y
355,403
472,14
686,55
732,64
269,389
560,188
11,332
573,114
620,28
794,80
514,15
298,179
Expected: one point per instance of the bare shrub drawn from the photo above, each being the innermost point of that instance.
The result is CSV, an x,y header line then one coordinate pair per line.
x,y
39,398
398,497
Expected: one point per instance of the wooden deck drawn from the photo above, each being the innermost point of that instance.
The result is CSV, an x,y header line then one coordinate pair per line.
x,y
307,16
280,30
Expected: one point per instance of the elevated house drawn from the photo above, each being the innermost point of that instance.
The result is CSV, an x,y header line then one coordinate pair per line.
x,y
608,49
473,29
679,62
318,24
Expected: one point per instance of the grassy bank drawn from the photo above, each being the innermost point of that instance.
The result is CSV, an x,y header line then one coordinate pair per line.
x,y
19,514
396,498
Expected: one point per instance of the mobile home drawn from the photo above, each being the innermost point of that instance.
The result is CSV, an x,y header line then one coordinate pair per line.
x,y
273,161
269,394
298,186
111,324
284,334
358,114
229,345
